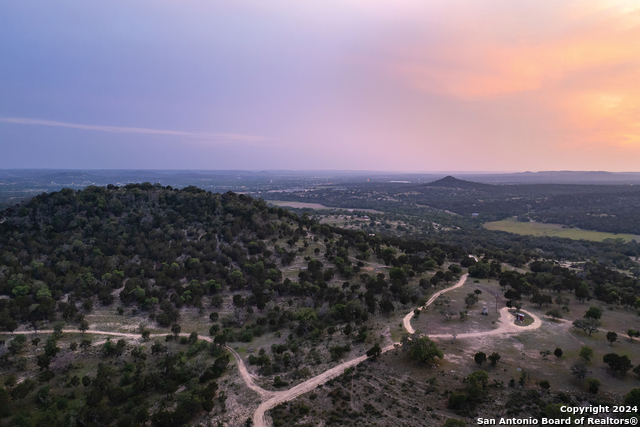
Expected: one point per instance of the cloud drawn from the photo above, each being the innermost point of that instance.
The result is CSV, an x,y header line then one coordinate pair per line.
x,y
134,130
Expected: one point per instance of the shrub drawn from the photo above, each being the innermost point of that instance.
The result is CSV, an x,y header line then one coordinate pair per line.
x,y
594,385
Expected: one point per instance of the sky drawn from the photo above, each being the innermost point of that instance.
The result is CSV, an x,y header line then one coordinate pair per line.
x,y
403,85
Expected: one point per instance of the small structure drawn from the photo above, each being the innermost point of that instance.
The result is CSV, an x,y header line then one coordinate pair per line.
x,y
485,312
520,317
474,215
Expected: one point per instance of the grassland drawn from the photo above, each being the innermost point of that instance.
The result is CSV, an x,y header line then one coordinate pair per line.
x,y
554,230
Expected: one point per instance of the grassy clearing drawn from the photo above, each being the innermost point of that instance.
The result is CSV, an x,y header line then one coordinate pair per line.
x,y
554,230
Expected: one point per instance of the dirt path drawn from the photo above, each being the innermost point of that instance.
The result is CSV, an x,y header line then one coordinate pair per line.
x,y
264,394
506,326
407,319
271,399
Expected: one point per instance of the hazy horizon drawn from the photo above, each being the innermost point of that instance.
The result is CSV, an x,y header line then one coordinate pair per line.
x,y
413,87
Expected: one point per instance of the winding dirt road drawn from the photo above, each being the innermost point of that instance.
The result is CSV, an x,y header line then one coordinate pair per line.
x,y
270,399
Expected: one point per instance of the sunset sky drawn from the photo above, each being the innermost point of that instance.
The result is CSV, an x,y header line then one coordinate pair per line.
x,y
490,85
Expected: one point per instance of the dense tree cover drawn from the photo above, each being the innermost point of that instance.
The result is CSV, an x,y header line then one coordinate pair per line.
x,y
593,281
171,248
88,243
119,393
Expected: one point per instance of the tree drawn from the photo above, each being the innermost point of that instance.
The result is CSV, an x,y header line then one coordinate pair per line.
x,y
618,364
633,334
11,381
424,350
587,325
476,384
540,299
57,330
23,389
480,358
84,325
43,362
374,352
386,306
557,352
175,329
579,370
582,292
633,397
555,313
612,337
586,353
593,313
494,358
146,334
594,385
85,344
86,381
470,299
447,312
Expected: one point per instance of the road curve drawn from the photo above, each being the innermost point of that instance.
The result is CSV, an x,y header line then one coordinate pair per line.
x,y
248,380
270,399
407,319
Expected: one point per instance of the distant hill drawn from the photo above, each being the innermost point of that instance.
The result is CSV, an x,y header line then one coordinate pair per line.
x,y
452,182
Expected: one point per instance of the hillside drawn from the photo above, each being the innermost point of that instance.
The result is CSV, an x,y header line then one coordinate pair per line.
x,y
119,302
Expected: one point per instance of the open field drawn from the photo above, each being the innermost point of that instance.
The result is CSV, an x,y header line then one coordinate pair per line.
x,y
554,230
302,205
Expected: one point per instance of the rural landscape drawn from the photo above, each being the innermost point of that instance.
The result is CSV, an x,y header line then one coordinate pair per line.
x,y
147,304
350,213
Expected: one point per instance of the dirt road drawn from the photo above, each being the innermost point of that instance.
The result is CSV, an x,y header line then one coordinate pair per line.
x,y
407,319
270,399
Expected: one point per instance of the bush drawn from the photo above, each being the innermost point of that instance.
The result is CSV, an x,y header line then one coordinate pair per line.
x,y
594,385
544,384
457,401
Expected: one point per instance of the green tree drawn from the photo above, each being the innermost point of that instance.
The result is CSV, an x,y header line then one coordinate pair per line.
x,y
586,353
470,299
633,397
593,313
587,325
594,385
494,358
555,313
612,337
86,381
480,358
557,352
424,350
175,330
83,326
582,292
617,363
23,389
374,352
